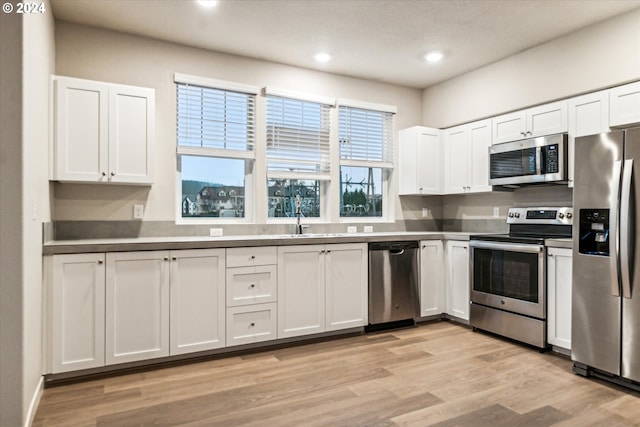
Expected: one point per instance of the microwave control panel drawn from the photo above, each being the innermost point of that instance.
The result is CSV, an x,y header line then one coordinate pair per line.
x,y
551,158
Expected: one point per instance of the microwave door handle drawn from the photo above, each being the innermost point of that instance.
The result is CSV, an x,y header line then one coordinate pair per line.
x,y
625,228
614,255
538,160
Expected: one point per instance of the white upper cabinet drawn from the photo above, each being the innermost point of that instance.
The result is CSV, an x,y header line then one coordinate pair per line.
x,y
467,158
588,115
625,105
420,161
103,133
545,119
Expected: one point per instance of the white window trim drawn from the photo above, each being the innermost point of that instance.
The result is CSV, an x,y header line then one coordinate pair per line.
x,y
383,108
283,93
215,84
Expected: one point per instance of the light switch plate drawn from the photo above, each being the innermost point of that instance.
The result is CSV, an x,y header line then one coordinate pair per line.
x,y
496,212
352,229
425,212
368,228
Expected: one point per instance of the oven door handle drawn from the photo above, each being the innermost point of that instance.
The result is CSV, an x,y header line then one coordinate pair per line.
x,y
510,247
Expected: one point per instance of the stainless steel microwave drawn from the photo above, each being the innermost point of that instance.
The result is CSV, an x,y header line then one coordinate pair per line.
x,y
529,161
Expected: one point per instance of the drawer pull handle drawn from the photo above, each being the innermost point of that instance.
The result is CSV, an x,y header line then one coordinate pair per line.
x,y
253,257
253,285
252,324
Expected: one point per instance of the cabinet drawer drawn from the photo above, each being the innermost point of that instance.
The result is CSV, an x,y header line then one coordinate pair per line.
x,y
251,285
251,324
248,257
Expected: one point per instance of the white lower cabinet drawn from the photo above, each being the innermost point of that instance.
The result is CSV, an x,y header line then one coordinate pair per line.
x,y
76,311
559,278
251,323
137,306
457,280
197,300
160,303
431,278
321,287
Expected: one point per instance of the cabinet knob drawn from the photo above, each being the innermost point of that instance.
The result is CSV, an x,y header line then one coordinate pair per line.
x,y
329,252
113,174
252,324
253,257
100,261
174,258
104,174
166,258
253,285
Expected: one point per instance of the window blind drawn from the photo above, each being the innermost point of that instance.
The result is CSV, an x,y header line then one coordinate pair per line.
x,y
215,122
297,139
365,137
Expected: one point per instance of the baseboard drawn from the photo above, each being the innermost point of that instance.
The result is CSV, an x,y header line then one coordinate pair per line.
x,y
35,401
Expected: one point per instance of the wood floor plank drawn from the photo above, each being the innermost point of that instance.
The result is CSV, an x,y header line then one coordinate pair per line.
x,y
438,373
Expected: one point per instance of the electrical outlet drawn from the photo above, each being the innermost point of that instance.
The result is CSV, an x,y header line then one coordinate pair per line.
x,y
425,213
138,211
496,212
215,232
352,229
368,228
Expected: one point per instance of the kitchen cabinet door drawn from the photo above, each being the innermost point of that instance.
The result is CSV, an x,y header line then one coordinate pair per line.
x,y
76,307
509,127
137,306
103,133
588,115
197,294
346,284
624,104
559,277
457,160
457,290
432,278
301,290
420,161
81,136
131,134
547,119
479,143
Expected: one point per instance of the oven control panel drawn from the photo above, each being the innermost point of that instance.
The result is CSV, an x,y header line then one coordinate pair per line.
x,y
546,215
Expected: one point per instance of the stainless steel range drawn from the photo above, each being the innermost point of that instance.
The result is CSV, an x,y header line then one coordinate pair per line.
x,y
508,274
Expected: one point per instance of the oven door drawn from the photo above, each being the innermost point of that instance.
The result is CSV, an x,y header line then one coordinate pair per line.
x,y
509,277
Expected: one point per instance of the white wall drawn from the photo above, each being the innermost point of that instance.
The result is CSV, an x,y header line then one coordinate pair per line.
x,y
96,54
27,59
602,55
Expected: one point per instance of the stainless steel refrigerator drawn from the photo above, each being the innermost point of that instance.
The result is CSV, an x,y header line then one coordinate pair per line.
x,y
605,331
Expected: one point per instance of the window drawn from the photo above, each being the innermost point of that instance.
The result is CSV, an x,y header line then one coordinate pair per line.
x,y
215,143
297,153
366,159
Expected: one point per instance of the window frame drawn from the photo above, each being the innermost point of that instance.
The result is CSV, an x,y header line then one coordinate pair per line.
x,y
387,168
248,156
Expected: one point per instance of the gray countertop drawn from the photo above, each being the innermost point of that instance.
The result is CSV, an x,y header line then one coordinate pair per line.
x,y
203,242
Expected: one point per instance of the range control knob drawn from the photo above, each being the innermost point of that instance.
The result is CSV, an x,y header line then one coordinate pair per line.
x,y
560,215
510,214
517,214
569,215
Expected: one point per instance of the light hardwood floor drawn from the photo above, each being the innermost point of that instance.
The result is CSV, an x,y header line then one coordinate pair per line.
x,y
438,373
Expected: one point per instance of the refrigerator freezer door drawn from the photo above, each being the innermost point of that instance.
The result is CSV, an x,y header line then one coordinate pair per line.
x,y
596,329
631,306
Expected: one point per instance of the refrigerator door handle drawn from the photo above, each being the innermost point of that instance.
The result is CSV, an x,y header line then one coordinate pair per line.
x,y
614,253
625,216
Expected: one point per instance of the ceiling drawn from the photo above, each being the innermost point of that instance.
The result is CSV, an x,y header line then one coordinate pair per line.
x,y
382,40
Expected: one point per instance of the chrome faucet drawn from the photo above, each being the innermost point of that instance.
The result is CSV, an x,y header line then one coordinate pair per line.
x,y
298,225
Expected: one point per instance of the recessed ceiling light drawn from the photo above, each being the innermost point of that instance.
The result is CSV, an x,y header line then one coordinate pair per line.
x,y
207,3
433,56
323,57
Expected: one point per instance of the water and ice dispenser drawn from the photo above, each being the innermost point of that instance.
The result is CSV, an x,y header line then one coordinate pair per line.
x,y
594,232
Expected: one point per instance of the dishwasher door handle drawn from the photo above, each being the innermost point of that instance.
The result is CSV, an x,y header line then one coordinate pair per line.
x,y
396,251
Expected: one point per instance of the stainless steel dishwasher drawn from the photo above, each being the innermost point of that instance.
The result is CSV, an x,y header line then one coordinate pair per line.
x,y
394,295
